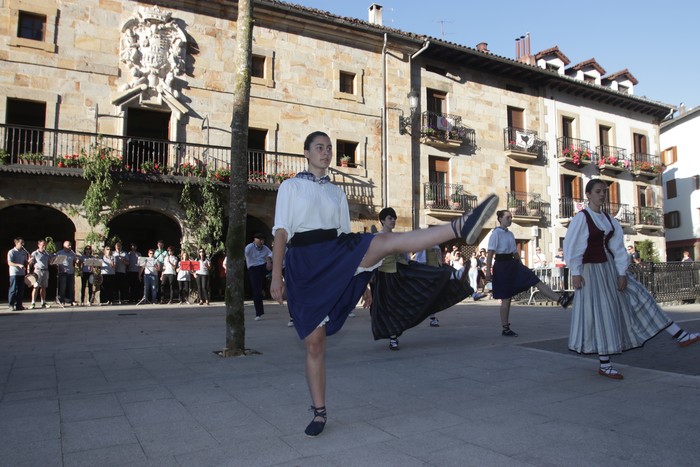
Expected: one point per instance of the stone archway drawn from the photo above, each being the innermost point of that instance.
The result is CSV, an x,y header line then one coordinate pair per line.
x,y
32,222
145,227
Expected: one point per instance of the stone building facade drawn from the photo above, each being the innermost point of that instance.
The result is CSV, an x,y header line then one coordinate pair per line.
x,y
155,83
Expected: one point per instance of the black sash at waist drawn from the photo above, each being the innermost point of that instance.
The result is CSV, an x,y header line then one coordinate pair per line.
x,y
504,256
312,236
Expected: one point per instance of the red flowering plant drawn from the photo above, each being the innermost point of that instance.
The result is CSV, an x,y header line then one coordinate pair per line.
x,y
189,169
646,166
151,167
258,176
69,161
282,176
577,155
222,175
613,161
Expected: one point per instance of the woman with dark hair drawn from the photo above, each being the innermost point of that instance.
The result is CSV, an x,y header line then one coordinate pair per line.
x,y
510,276
327,268
201,276
612,311
405,293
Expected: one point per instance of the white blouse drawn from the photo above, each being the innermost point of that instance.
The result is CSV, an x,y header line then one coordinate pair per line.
x,y
502,241
576,242
304,205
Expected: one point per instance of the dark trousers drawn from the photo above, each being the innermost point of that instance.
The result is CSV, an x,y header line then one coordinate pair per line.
x,y
107,289
257,274
203,287
169,283
135,286
121,287
85,284
66,287
184,290
16,292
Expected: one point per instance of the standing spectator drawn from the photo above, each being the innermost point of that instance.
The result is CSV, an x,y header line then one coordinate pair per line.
x,y
258,260
612,312
184,277
559,261
149,274
447,257
474,276
510,276
633,255
133,272
201,276
539,260
66,275
686,257
481,278
87,276
121,263
17,259
108,272
560,273
159,254
39,259
168,279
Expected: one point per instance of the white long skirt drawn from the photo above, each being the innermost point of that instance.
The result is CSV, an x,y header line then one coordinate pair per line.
x,y
606,321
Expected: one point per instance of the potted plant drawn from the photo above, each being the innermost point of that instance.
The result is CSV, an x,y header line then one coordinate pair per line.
x,y
456,201
429,198
4,157
648,216
535,208
513,205
344,161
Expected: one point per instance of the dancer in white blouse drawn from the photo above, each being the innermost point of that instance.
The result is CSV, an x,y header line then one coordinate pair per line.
x,y
327,268
612,311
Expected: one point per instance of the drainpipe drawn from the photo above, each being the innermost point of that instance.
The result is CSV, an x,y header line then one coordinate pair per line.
x,y
415,165
385,132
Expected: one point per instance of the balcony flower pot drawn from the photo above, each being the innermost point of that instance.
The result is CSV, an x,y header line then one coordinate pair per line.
x,y
344,161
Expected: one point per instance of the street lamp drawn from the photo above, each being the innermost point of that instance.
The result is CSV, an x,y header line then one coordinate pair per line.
x,y
406,122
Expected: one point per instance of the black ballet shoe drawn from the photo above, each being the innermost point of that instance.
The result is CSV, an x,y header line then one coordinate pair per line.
x,y
315,428
565,299
469,226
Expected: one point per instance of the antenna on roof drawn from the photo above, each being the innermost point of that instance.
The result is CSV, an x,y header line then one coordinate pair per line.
x,y
442,28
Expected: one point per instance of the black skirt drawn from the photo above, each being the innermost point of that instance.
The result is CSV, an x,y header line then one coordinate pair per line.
x,y
406,298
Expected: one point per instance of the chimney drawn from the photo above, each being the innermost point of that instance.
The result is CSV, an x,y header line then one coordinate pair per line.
x,y
482,47
521,42
375,14
517,48
526,52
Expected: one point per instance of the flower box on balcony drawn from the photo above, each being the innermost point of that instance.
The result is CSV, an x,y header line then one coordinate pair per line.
x,y
646,170
575,156
612,164
438,142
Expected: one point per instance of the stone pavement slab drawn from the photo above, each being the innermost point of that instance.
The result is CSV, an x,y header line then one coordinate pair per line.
x,y
141,386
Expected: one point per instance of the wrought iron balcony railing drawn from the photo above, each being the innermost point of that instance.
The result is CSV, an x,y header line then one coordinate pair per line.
x,y
446,128
448,196
524,204
575,151
612,157
649,216
520,139
646,163
64,149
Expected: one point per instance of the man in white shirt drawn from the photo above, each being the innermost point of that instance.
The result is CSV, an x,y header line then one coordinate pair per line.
x,y
258,260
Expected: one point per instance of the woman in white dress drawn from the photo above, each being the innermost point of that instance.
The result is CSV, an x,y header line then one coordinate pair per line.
x,y
327,267
612,311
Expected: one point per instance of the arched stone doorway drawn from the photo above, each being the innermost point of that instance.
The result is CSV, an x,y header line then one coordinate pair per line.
x,y
145,227
32,222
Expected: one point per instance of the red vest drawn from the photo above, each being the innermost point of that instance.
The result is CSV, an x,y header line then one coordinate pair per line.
x,y
597,241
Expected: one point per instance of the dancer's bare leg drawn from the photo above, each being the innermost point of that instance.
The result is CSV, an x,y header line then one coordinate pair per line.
x,y
505,311
316,366
388,243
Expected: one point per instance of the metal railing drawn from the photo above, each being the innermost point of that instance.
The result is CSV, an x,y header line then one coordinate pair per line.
x,y
64,149
673,281
612,156
646,215
568,146
520,139
448,196
446,127
521,203
643,162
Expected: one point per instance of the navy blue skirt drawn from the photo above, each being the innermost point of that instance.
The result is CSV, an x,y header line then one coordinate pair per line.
x,y
510,277
321,281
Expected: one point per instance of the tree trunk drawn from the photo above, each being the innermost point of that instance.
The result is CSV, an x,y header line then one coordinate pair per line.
x,y
235,238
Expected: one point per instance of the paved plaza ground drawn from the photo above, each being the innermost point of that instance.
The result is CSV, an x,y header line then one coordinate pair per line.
x,y
142,386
